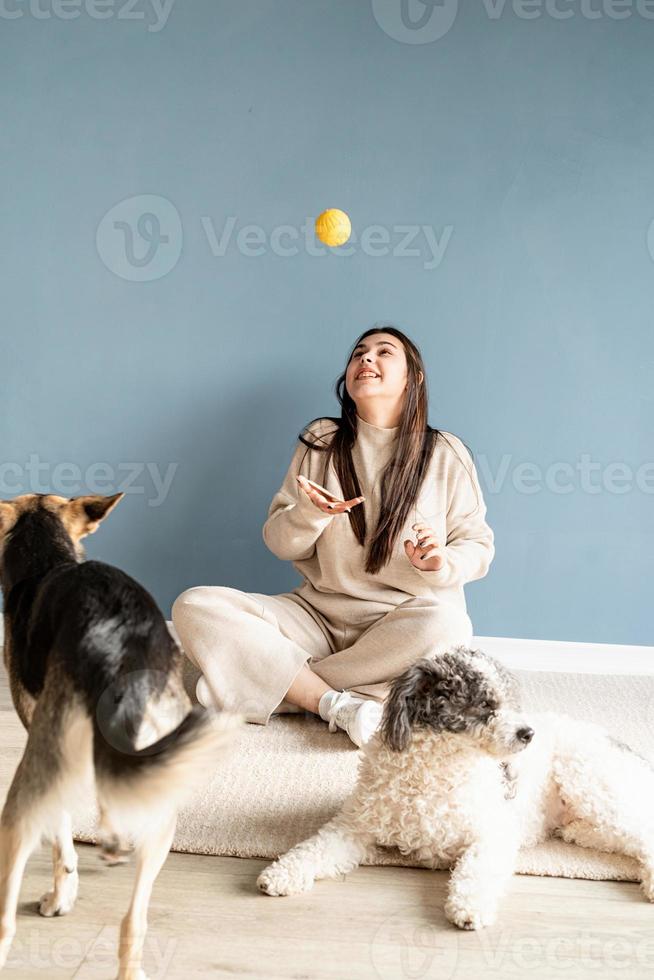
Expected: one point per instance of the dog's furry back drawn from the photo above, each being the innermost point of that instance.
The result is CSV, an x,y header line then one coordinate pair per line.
x,y
88,651
96,679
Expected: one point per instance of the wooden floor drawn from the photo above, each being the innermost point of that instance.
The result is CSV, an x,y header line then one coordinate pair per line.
x,y
208,920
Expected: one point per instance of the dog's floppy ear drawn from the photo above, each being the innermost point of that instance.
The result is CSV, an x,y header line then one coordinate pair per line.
x,y
8,516
82,515
408,703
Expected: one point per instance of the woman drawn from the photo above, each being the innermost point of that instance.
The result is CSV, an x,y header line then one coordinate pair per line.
x,y
373,600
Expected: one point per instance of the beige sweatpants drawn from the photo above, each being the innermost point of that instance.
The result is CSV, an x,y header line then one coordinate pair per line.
x,y
251,646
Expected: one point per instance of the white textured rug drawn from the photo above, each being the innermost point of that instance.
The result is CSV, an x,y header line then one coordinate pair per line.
x,y
285,780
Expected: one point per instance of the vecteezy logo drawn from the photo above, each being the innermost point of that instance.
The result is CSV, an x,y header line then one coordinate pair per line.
x,y
140,238
405,947
415,21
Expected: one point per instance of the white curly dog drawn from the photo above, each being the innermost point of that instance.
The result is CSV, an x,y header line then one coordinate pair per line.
x,y
458,777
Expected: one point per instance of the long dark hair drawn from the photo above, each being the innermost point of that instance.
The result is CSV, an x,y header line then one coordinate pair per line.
x,y
404,473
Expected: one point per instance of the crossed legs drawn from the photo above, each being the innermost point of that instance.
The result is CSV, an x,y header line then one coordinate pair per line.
x,y
256,651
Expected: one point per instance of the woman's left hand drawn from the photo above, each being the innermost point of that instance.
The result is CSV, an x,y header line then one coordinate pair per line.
x,y
427,553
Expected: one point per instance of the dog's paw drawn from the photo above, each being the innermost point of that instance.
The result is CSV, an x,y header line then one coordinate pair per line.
x,y
465,917
115,850
277,879
113,860
62,901
132,975
647,884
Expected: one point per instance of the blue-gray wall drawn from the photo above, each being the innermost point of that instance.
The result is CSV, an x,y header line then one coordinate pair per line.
x,y
526,146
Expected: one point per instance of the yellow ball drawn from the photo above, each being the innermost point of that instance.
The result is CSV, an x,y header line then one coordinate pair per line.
x,y
333,227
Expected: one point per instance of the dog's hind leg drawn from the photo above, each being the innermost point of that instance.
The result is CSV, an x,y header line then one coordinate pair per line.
x,y
619,840
585,834
66,879
17,841
53,763
336,849
24,819
151,855
608,793
114,849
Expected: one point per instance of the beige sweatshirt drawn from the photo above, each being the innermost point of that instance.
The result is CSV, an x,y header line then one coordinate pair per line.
x,y
326,553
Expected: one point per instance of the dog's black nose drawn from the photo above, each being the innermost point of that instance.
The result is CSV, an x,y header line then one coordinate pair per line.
x,y
525,735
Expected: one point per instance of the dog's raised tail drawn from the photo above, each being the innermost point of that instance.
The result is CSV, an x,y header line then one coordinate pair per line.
x,y
134,787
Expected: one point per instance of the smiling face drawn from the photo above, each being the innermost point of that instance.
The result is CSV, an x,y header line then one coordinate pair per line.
x,y
377,370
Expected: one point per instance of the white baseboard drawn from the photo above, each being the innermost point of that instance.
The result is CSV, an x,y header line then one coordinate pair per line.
x,y
563,655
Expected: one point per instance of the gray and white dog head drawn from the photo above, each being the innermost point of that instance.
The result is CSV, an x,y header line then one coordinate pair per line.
x,y
463,692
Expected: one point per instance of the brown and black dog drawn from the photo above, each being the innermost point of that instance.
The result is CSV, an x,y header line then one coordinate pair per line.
x,y
96,678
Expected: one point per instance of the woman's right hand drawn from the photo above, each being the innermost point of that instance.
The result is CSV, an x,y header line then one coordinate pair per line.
x,y
325,501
